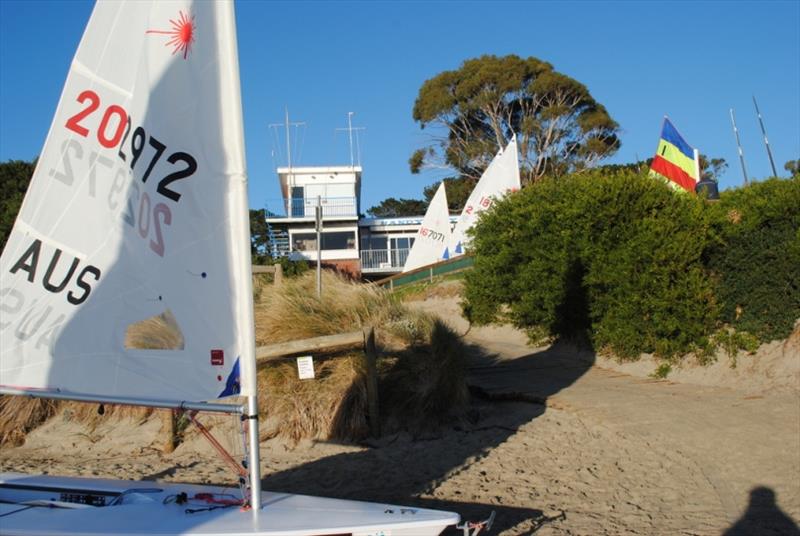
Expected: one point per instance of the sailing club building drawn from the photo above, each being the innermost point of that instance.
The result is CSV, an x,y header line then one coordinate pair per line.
x,y
362,247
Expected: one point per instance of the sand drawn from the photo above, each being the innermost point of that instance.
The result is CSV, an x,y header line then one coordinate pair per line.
x,y
558,442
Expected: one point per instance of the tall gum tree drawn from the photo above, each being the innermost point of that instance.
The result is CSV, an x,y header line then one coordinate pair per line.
x,y
476,109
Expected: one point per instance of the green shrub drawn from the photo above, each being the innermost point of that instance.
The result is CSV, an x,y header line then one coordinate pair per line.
x,y
613,257
756,257
662,371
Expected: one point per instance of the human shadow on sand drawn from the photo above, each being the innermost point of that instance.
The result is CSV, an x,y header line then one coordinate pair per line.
x,y
764,517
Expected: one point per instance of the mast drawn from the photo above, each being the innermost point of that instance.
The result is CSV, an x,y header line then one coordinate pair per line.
x,y
697,165
766,141
240,237
350,129
739,145
289,176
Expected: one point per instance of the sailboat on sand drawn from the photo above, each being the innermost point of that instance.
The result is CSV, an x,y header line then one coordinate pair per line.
x,y
138,208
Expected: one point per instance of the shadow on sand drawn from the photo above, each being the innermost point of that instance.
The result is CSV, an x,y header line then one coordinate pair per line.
x,y
763,517
505,396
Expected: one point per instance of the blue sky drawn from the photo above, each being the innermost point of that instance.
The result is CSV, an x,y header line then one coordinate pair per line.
x,y
690,60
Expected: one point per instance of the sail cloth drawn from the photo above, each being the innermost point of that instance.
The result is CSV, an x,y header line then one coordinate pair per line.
x,y
137,207
433,234
675,160
500,177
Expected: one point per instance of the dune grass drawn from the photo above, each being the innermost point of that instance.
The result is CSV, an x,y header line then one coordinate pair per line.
x,y
421,372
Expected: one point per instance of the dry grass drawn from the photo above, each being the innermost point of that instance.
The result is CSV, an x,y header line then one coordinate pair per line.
x,y
19,415
160,332
425,386
293,311
332,406
421,381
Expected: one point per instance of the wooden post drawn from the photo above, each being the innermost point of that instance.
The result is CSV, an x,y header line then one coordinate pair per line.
x,y
278,278
168,430
370,359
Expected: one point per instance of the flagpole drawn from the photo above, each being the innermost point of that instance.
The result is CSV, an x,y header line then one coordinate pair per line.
x,y
766,141
739,145
697,165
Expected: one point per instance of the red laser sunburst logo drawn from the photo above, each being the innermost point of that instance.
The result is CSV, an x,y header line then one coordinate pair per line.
x,y
182,34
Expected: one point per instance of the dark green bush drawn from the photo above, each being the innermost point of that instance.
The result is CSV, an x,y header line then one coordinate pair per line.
x,y
612,257
756,257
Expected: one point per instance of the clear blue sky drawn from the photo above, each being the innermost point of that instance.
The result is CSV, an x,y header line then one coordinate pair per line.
x,y
690,60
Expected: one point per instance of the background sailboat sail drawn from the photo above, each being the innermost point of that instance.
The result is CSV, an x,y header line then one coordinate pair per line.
x,y
137,207
501,176
433,235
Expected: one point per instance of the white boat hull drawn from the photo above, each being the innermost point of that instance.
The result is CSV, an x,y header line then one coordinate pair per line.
x,y
48,505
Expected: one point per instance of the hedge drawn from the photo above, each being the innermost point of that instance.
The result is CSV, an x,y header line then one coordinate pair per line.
x,y
622,261
755,260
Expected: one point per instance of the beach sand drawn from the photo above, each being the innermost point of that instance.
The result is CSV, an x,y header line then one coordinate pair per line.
x,y
558,442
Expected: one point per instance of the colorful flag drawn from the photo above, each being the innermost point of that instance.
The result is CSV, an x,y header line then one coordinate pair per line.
x,y
675,160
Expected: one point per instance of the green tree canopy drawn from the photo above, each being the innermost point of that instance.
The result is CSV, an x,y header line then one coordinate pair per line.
x,y
15,175
458,191
560,127
712,168
259,236
395,208
793,167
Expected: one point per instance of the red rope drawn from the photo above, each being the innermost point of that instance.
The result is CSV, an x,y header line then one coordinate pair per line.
x,y
227,458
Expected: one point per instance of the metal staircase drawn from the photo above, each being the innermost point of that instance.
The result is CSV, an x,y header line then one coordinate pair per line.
x,y
278,242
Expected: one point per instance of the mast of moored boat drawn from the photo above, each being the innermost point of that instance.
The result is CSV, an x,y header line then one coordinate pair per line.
x,y
240,236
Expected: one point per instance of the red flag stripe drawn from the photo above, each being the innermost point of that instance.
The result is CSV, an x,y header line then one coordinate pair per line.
x,y
673,173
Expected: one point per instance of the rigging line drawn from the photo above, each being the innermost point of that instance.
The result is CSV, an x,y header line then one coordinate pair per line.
x,y
358,150
278,144
227,458
19,510
302,143
298,151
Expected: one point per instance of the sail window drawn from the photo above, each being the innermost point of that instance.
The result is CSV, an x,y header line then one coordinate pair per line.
x,y
160,332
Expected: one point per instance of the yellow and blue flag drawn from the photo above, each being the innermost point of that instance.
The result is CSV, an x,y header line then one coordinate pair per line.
x,y
674,160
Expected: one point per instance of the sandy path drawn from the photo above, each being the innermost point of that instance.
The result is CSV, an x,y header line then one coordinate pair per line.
x,y
700,450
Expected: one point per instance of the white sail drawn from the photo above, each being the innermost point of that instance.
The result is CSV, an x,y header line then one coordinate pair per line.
x,y
500,177
137,208
433,235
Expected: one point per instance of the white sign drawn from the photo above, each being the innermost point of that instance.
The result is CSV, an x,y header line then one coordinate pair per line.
x,y
305,367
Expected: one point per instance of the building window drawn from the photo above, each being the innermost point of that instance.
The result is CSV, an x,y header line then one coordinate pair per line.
x,y
330,240
373,242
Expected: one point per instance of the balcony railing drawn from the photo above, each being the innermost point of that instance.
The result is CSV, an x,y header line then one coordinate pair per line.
x,y
332,207
383,260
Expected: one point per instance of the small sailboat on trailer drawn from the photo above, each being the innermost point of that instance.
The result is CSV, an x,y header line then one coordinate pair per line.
x,y
138,208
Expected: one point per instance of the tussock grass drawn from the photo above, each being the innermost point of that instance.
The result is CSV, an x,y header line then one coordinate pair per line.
x,y
19,415
293,311
160,332
332,406
425,386
421,375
